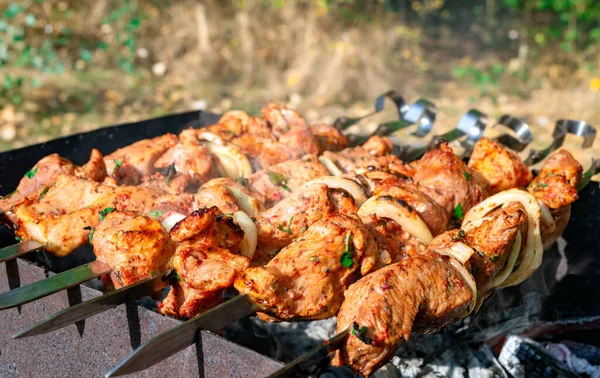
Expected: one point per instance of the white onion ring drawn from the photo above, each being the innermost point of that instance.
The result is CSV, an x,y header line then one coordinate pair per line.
x,y
502,275
205,135
547,219
470,282
458,251
171,220
248,204
248,244
401,213
231,162
353,188
331,166
534,249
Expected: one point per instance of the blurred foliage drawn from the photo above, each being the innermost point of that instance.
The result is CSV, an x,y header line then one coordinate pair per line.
x,y
109,60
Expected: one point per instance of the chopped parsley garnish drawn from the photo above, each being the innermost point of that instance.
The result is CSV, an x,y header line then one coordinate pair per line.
x,y
495,258
43,193
155,213
467,176
91,232
18,238
278,179
460,236
242,181
104,212
458,211
229,215
304,228
314,259
361,333
540,186
289,227
118,164
31,173
346,258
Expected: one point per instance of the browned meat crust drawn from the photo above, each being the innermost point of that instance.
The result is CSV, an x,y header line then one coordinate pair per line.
x,y
424,289
135,246
447,180
206,260
556,184
305,279
497,167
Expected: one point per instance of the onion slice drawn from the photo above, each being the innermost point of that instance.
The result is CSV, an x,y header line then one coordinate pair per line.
x,y
547,219
248,204
248,244
470,281
459,251
400,212
171,220
231,162
534,249
331,166
353,188
502,275
205,135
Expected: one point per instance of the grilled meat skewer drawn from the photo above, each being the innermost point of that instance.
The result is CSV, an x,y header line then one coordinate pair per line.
x,y
502,235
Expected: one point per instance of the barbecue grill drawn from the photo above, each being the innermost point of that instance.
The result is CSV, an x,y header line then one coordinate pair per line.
x,y
553,304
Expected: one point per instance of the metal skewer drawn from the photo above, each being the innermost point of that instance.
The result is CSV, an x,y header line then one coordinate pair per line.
x,y
20,249
561,129
53,284
182,336
423,113
312,356
95,306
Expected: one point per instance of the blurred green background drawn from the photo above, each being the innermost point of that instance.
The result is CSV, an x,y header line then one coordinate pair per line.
x,y
70,66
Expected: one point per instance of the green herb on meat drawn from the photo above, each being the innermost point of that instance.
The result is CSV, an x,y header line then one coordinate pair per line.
x,y
278,179
106,211
31,173
346,258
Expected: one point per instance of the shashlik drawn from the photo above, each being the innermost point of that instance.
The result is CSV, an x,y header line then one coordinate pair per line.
x,y
206,245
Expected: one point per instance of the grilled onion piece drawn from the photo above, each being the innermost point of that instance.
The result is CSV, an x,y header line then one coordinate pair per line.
x,y
248,244
533,251
331,166
353,188
399,211
231,162
171,220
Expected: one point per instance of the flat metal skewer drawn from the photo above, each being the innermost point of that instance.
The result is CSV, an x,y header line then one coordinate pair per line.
x,y
313,356
19,249
95,306
53,284
182,336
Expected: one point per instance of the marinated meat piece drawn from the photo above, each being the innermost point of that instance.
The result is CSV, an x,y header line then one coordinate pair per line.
x,y
134,245
388,163
393,243
328,137
265,152
63,213
430,212
290,218
229,196
45,172
382,307
206,260
447,180
307,278
129,164
342,202
94,169
236,123
291,129
277,182
492,241
556,184
497,167
350,159
190,158
374,179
